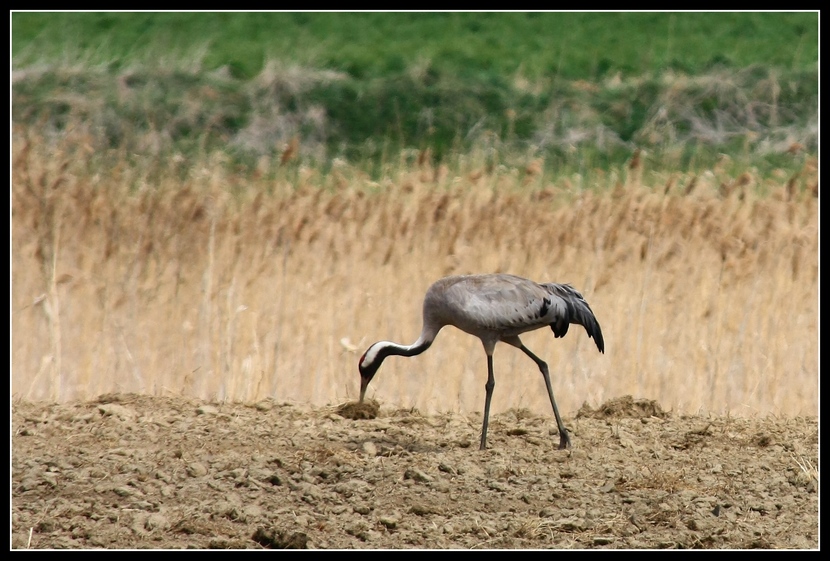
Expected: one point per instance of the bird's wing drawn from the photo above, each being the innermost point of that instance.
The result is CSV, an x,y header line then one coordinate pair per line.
x,y
504,304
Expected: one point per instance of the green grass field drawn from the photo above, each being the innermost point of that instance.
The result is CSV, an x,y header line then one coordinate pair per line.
x,y
580,90
373,45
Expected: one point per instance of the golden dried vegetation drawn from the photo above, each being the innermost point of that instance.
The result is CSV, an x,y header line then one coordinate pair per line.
x,y
240,287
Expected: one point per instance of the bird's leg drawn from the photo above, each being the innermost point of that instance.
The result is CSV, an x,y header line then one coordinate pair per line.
x,y
488,387
564,439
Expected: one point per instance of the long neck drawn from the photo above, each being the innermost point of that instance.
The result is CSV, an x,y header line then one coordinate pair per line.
x,y
374,355
383,349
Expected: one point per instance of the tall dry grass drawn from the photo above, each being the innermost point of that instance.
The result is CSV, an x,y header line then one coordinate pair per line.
x,y
215,285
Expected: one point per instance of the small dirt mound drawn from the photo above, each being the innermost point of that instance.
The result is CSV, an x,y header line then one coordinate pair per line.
x,y
625,406
279,539
355,410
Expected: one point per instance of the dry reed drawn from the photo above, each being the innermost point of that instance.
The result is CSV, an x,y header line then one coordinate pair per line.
x,y
227,287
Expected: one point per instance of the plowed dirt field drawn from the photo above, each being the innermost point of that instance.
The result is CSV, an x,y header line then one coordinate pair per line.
x,y
129,471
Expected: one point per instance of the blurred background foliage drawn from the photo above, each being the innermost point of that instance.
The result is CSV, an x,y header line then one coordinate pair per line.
x,y
580,90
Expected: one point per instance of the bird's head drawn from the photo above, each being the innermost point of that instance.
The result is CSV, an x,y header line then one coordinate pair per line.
x,y
368,366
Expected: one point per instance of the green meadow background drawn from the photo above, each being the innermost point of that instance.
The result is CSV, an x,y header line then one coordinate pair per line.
x,y
582,90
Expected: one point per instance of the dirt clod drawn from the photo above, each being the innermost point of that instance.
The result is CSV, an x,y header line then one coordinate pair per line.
x,y
625,406
272,538
355,411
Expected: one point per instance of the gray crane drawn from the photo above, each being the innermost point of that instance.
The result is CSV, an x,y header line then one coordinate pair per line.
x,y
493,307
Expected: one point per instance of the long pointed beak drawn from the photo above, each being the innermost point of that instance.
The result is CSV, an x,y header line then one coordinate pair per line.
x,y
364,383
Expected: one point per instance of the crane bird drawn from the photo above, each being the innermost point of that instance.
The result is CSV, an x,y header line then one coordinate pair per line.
x,y
493,307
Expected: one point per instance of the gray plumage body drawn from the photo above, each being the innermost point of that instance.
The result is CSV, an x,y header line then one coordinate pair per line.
x,y
495,308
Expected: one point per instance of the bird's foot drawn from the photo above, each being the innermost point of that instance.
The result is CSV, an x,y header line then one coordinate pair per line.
x,y
564,441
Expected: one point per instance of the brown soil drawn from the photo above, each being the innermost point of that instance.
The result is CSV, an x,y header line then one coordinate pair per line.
x,y
129,471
